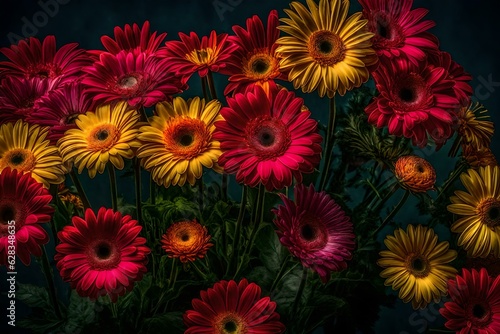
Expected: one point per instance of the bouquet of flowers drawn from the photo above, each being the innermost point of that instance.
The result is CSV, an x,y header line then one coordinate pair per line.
x,y
231,205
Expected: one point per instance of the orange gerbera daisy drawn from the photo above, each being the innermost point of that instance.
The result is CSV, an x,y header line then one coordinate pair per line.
x,y
415,173
186,240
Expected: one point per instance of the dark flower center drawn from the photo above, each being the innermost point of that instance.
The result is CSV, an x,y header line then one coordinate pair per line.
x,y
260,66
102,135
407,94
7,214
489,211
128,82
308,232
185,237
17,159
478,311
71,118
230,327
266,137
418,264
43,74
383,28
186,139
494,213
420,168
325,47
103,251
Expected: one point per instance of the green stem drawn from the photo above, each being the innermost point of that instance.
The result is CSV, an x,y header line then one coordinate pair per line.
x,y
456,173
47,270
237,231
204,88
114,309
114,189
200,195
152,190
198,271
79,188
138,189
330,138
280,273
393,212
224,186
171,277
299,292
55,198
211,85
142,112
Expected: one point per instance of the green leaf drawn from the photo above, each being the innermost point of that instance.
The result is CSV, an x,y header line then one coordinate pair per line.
x,y
33,296
39,324
271,252
171,321
81,312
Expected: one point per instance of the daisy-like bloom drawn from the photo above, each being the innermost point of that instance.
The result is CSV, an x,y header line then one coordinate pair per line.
x,y
133,38
138,78
327,50
25,148
19,97
255,62
479,208
178,142
475,303
186,240
417,265
26,202
59,109
415,101
190,55
109,134
415,173
474,126
102,255
32,58
399,30
267,139
316,230
478,157
230,307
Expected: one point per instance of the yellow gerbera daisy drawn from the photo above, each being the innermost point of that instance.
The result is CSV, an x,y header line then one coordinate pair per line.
x,y
24,147
327,50
479,227
474,128
108,134
416,265
178,142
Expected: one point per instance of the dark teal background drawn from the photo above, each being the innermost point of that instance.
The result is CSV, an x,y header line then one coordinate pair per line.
x,y
469,30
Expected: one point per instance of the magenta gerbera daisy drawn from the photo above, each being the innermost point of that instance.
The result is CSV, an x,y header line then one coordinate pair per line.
x,y
230,307
32,58
267,139
59,109
255,62
399,30
316,230
133,38
24,206
19,97
102,255
475,303
137,78
414,101
190,54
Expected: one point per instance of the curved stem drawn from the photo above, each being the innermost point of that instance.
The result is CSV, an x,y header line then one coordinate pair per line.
x,y
237,231
200,195
47,270
300,290
79,188
456,173
198,271
330,138
280,275
114,189
211,85
393,212
138,188
152,190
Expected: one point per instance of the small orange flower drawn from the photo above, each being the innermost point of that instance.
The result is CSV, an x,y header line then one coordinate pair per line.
x,y
478,157
186,240
415,174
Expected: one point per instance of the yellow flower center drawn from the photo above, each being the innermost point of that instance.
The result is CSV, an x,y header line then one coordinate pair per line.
x,y
230,323
103,137
260,66
489,211
418,265
18,158
186,138
202,57
326,48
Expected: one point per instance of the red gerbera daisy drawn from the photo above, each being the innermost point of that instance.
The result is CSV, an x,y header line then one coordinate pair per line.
x,y
255,62
267,139
456,73
137,78
316,230
132,38
190,54
399,30
59,109
475,303
102,255
414,101
231,307
19,97
26,202
31,58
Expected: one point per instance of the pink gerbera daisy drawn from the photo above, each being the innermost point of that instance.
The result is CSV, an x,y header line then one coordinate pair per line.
x,y
31,58
267,139
25,202
230,307
399,31
255,62
102,255
475,303
59,109
19,97
137,78
190,54
316,230
414,101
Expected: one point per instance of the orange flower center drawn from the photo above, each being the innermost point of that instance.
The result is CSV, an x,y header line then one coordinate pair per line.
x,y
103,137
326,48
103,255
19,158
418,265
260,66
489,211
230,323
186,138
202,57
267,137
